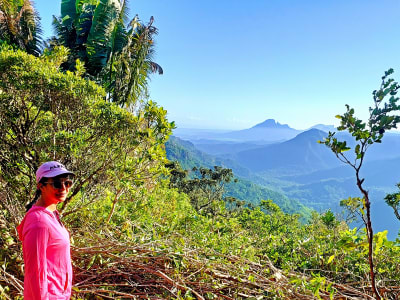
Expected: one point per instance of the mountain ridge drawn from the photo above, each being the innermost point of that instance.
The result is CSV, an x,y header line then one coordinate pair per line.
x,y
266,132
271,123
301,154
189,156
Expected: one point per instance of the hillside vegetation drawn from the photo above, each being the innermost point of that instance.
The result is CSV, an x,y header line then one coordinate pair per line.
x,y
133,235
305,172
141,227
189,157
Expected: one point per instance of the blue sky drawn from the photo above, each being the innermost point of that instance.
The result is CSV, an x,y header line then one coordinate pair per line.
x,y
231,64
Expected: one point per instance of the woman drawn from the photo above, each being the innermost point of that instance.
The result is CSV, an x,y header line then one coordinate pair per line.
x,y
45,241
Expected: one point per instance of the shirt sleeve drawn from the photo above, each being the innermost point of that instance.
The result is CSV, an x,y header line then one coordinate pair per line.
x,y
35,245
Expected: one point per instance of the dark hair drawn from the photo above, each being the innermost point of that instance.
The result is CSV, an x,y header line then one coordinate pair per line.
x,y
37,195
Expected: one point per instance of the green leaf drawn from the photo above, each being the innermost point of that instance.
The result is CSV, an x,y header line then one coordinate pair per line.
x,y
357,149
68,12
331,258
380,239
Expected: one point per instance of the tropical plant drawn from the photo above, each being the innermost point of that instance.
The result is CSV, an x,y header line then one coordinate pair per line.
x,y
20,25
393,200
206,189
117,53
127,72
382,118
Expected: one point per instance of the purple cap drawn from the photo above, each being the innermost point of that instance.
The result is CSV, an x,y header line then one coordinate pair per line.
x,y
51,169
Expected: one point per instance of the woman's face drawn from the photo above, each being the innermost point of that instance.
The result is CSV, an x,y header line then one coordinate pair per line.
x,y
55,190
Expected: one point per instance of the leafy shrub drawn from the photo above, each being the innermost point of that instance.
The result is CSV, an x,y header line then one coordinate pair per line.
x,y
46,114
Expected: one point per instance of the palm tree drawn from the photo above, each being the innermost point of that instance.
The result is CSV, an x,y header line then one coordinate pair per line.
x,y
129,72
117,54
20,25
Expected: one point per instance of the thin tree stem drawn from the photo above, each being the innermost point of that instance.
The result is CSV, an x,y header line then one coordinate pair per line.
x,y
370,235
119,193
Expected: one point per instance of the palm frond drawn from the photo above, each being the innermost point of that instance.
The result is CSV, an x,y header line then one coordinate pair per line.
x,y
135,64
20,25
119,38
65,35
30,24
84,22
68,12
99,41
156,68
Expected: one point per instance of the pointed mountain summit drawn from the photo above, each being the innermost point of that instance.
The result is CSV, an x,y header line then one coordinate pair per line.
x,y
265,132
271,123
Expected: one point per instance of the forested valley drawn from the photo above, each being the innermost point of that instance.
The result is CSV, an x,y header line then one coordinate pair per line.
x,y
146,227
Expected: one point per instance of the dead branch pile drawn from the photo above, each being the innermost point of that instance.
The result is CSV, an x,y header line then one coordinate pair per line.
x,y
109,269
112,270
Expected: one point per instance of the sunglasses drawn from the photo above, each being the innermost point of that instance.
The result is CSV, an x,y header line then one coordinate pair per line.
x,y
58,184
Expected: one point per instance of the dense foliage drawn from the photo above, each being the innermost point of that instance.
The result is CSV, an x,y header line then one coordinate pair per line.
x,y
242,189
46,114
116,53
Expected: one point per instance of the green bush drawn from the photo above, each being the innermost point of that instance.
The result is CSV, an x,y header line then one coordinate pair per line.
x,y
46,114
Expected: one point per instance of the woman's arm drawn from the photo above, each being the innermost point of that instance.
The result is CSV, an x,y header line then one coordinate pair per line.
x,y
35,246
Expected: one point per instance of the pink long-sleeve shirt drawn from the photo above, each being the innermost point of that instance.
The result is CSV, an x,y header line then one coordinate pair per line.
x,y
47,257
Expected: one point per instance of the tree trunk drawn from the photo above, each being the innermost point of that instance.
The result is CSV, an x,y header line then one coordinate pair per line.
x,y
370,236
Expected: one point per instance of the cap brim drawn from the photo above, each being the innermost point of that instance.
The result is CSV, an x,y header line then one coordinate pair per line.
x,y
55,173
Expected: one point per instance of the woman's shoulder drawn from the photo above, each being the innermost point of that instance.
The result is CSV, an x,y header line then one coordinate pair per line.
x,y
38,216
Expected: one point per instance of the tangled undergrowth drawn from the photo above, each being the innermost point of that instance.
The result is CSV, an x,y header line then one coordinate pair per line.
x,y
111,270
162,249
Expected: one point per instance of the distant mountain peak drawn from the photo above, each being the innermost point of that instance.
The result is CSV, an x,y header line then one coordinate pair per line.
x,y
324,127
310,134
271,123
